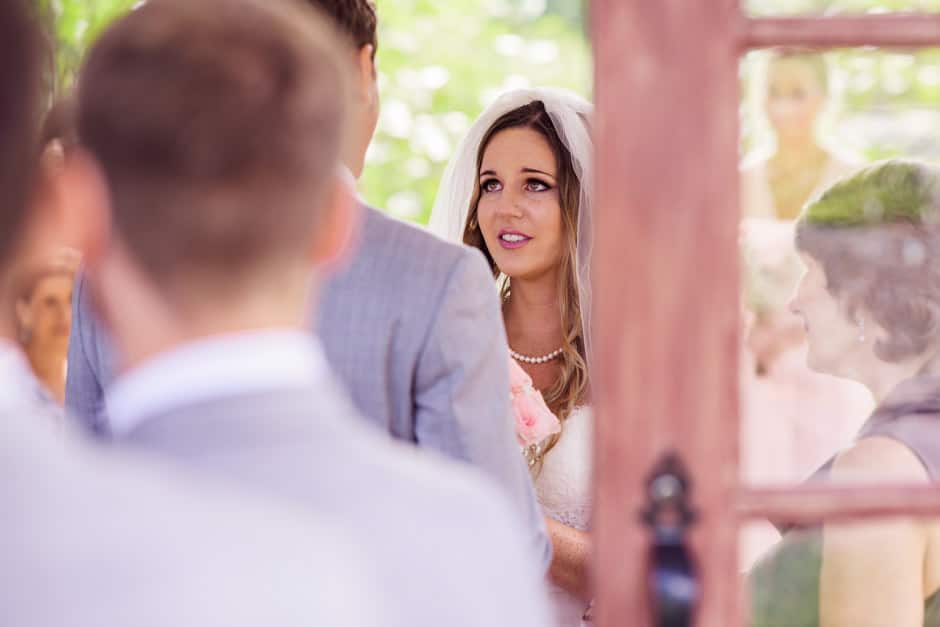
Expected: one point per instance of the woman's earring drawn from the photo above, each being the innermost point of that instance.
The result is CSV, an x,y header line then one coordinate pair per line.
x,y
861,331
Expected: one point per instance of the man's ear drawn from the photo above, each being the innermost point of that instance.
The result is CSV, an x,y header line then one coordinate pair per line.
x,y
85,205
338,226
365,62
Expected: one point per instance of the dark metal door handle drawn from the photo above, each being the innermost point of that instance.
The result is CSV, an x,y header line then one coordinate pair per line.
x,y
672,580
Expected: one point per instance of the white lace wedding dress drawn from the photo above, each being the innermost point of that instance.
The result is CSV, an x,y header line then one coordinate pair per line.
x,y
563,488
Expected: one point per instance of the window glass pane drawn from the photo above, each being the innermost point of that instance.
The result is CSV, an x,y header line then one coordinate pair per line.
x,y
863,329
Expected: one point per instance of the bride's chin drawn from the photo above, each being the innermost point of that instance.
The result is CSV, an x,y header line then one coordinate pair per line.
x,y
528,276
512,270
524,270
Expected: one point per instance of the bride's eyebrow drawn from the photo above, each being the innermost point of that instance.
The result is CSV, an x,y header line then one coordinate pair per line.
x,y
525,170
534,171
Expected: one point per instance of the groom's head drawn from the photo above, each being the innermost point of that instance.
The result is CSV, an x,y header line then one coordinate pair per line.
x,y
211,133
357,20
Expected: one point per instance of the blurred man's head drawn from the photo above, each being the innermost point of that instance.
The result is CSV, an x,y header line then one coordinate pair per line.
x,y
357,21
214,129
20,108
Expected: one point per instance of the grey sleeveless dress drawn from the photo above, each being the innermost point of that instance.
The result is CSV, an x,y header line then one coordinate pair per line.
x,y
784,584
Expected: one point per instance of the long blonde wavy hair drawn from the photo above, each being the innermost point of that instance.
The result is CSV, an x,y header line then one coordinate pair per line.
x,y
571,387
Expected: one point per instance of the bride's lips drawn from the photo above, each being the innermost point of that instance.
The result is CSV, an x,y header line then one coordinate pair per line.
x,y
510,240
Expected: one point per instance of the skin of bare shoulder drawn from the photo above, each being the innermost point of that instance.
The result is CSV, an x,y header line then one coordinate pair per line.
x,y
872,571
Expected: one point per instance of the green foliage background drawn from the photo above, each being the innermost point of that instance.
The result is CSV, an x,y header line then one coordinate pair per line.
x,y
438,63
75,24
441,61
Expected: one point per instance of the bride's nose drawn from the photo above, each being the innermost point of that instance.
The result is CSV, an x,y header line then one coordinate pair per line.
x,y
511,207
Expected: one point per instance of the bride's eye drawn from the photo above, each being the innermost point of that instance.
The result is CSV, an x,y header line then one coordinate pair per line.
x,y
490,185
535,185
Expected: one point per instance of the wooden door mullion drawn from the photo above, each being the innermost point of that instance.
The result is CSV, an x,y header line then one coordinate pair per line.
x,y
811,504
884,30
666,284
666,288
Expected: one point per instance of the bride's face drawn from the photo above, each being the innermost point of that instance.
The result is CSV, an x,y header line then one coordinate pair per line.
x,y
519,210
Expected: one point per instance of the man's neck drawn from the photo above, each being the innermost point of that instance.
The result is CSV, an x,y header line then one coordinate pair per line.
x,y
144,320
138,348
154,324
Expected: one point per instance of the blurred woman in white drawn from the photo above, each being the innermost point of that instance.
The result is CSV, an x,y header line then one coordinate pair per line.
x,y
794,99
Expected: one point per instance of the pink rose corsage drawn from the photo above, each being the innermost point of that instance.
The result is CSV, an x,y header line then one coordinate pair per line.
x,y
534,420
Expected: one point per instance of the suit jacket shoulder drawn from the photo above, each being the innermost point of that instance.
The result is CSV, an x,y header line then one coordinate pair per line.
x,y
390,248
376,314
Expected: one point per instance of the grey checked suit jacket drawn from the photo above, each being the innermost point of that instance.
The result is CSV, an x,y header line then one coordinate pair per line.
x,y
412,327
448,548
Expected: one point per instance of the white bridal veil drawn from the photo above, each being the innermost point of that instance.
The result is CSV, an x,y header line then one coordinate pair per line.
x,y
571,115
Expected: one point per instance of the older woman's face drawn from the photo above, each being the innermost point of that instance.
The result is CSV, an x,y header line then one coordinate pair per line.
x,y
47,313
835,341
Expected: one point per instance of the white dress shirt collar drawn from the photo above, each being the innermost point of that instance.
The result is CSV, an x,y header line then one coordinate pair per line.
x,y
216,367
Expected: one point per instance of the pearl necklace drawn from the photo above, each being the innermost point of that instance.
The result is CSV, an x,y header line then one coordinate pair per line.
x,y
536,360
